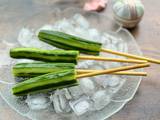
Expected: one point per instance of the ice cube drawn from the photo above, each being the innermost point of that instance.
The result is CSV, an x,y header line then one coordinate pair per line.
x,y
5,59
113,81
25,36
110,36
94,35
67,93
102,80
35,42
81,32
101,99
125,49
44,27
66,26
75,91
63,25
87,86
60,103
115,41
38,101
114,89
105,65
104,41
105,37
80,106
58,92
121,47
64,92
89,62
81,21
107,80
28,38
56,104
85,64
114,64
97,65
111,47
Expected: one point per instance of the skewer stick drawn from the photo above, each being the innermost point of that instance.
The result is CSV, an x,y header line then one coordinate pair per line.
x,y
114,70
110,59
132,73
131,56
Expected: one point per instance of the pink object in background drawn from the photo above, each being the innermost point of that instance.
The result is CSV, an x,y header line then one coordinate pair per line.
x,y
95,5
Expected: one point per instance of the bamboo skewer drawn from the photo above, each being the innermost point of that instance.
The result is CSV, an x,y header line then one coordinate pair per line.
x,y
79,71
113,70
110,59
131,56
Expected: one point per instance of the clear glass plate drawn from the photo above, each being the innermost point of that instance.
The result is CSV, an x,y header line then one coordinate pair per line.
x,y
98,21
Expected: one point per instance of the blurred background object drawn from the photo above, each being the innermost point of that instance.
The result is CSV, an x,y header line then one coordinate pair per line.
x,y
128,12
95,5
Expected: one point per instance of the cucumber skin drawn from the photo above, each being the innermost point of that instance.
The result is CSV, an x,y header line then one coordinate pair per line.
x,y
39,68
45,55
46,82
69,42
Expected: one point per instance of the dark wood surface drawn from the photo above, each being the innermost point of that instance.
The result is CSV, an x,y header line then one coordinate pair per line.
x,y
146,103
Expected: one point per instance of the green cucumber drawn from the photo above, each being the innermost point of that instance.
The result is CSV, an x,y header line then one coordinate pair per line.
x,y
46,82
45,55
69,42
39,68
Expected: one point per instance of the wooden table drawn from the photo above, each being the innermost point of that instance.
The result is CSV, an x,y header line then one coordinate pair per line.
x,y
146,103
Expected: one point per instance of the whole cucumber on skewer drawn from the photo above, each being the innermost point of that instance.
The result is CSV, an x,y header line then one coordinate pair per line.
x,y
45,55
65,56
50,81
70,42
39,68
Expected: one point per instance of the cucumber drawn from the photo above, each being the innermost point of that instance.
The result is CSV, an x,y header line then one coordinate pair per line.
x,y
69,42
45,55
46,82
39,68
